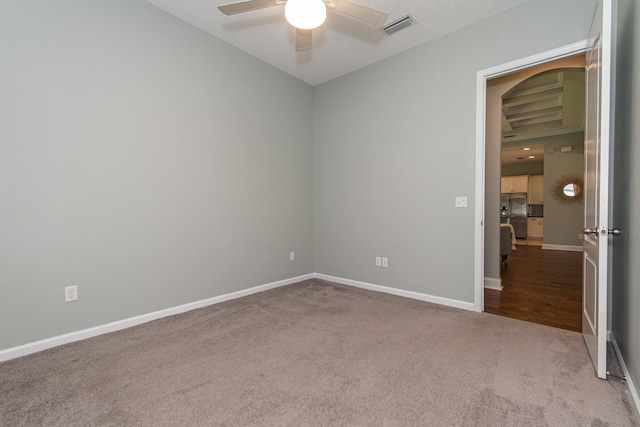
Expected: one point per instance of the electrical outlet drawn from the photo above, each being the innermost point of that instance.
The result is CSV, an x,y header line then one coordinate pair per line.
x,y
378,261
70,293
292,256
385,262
461,202
580,236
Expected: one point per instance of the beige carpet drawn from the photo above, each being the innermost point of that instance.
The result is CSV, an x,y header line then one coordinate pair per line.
x,y
317,353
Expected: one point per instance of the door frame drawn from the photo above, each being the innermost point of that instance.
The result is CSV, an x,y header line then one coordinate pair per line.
x,y
481,104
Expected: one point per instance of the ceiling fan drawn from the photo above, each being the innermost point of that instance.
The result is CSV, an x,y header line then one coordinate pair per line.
x,y
305,15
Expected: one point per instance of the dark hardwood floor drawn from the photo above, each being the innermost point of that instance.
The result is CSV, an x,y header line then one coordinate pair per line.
x,y
540,286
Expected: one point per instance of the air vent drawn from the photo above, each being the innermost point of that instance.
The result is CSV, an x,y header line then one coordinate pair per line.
x,y
398,24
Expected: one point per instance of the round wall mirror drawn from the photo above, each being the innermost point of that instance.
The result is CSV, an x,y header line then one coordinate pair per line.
x,y
571,190
568,189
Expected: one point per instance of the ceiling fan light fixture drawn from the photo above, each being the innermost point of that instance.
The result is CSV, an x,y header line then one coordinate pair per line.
x,y
305,14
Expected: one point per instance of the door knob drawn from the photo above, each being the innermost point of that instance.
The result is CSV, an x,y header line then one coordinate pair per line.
x,y
612,231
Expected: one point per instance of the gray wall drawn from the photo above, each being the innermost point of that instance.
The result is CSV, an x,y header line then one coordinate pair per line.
x,y
562,222
626,249
143,160
395,144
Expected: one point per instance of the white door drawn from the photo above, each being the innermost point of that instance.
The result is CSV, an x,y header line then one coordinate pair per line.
x,y
596,197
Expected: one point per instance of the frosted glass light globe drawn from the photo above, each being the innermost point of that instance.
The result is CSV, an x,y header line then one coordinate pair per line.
x,y
305,14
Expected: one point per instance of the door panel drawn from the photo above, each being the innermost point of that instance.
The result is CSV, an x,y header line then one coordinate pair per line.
x,y
589,297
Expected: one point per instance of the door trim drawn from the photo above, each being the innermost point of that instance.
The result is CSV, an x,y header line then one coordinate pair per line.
x,y
481,104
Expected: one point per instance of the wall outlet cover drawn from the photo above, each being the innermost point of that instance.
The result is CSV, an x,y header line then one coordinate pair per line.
x,y
70,293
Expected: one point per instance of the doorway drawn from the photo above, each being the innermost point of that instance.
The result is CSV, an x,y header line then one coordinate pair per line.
x,y
536,118
488,273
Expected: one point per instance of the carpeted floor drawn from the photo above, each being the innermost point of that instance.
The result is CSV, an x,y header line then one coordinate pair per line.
x,y
317,353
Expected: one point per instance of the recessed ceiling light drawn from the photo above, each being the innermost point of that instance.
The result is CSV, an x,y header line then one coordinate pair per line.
x,y
532,157
520,158
526,148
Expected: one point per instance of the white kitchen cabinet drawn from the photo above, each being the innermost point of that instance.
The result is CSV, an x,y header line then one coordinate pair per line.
x,y
535,195
514,184
535,228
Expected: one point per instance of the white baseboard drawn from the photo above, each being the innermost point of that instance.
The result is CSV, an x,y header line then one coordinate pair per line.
x,y
562,247
632,388
399,292
492,283
34,347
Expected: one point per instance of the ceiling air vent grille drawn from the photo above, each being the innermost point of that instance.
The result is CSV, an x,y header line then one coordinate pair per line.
x,y
398,24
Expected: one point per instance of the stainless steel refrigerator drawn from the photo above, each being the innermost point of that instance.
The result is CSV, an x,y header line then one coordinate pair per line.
x,y
513,210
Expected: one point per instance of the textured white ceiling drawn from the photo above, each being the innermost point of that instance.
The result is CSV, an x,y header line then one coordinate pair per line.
x,y
341,44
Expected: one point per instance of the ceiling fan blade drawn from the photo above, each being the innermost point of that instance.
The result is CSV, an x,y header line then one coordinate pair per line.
x,y
303,40
246,6
361,12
